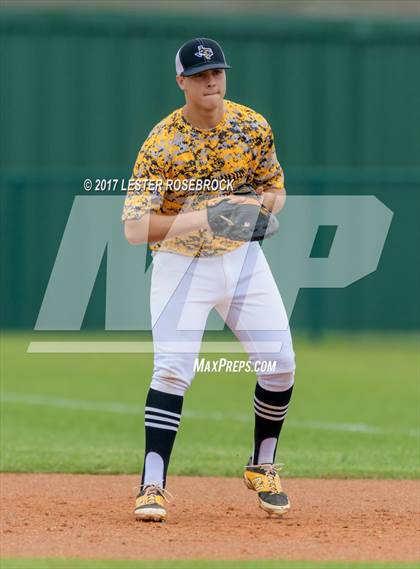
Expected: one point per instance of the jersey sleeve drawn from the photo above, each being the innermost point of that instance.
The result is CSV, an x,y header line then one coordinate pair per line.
x,y
147,184
268,172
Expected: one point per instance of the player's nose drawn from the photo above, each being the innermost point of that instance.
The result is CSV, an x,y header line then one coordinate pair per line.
x,y
211,77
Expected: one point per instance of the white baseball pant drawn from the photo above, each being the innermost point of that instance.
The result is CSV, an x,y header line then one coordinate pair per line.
x,y
241,287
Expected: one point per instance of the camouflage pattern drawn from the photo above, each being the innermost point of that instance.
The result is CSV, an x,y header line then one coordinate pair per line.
x,y
239,150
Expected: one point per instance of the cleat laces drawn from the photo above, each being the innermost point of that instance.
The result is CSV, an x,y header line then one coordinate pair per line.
x,y
153,490
273,479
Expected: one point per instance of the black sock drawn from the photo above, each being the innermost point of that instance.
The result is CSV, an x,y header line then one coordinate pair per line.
x,y
270,411
162,417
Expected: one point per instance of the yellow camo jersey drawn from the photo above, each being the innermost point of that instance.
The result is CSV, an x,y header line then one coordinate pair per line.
x,y
179,167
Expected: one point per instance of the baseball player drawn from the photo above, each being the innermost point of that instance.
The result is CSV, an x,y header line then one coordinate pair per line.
x,y
208,184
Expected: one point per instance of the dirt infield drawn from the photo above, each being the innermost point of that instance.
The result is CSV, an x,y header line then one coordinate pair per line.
x,y
60,515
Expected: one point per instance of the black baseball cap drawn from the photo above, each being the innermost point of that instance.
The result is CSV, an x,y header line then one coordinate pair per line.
x,y
199,55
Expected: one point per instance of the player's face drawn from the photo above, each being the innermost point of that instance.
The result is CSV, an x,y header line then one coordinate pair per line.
x,y
206,89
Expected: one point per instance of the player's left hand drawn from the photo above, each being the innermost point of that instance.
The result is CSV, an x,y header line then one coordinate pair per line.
x,y
241,218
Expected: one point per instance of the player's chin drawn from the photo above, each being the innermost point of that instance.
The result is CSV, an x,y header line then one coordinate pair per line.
x,y
211,101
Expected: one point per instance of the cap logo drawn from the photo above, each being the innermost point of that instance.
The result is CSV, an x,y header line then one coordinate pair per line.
x,y
205,52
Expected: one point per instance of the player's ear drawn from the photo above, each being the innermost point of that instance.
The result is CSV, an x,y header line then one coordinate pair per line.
x,y
181,82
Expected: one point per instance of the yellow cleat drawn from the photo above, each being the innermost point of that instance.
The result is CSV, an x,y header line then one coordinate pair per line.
x,y
264,479
150,504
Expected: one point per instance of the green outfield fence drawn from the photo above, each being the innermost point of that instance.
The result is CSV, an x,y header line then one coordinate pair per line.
x,y
80,90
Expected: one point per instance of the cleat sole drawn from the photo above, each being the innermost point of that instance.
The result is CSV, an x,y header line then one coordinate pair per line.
x,y
151,515
274,511
150,518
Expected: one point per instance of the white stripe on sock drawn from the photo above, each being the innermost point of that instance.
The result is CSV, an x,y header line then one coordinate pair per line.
x,y
164,419
276,407
268,416
163,412
167,427
273,413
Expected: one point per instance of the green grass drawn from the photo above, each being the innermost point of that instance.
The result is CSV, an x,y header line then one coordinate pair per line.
x,y
195,564
354,412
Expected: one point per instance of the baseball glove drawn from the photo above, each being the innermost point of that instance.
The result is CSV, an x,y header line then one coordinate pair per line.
x,y
245,221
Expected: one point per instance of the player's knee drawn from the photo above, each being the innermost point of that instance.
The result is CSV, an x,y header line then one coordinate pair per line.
x,y
277,381
169,384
